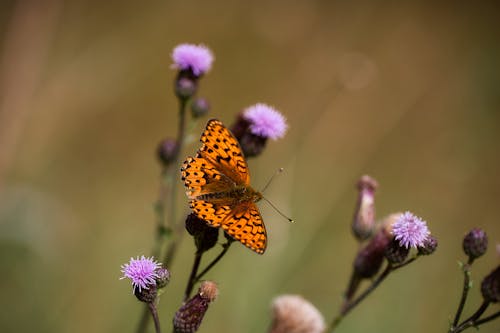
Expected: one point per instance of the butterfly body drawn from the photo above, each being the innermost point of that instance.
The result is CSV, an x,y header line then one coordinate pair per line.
x,y
218,186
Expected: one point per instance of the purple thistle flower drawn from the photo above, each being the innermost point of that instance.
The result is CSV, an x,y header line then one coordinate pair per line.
x,y
410,230
198,58
141,271
265,121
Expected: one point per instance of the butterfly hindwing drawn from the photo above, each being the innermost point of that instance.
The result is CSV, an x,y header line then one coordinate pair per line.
x,y
202,177
245,224
214,214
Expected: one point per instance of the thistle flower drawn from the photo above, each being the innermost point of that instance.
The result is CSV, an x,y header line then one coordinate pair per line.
x,y
142,272
265,121
364,215
294,314
410,230
475,243
190,315
195,58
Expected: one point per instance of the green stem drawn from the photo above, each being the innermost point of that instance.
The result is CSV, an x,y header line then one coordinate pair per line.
x,y
465,292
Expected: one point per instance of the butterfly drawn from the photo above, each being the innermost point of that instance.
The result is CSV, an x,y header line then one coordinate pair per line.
x,y
217,183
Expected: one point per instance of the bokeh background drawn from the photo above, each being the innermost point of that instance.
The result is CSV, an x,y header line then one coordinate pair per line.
x,y
406,92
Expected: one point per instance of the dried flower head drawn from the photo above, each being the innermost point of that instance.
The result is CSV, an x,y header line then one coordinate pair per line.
x,y
265,121
475,243
197,58
294,314
190,315
142,272
410,230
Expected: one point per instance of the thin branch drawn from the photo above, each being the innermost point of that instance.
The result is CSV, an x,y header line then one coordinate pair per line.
x,y
465,292
192,276
215,261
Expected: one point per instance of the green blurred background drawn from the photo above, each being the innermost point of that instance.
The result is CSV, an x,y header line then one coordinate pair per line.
x,y
404,91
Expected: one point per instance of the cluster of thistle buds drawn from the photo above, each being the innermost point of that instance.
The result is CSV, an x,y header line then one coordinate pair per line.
x,y
396,240
475,244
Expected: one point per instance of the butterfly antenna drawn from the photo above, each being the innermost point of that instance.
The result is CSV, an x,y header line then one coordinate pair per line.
x,y
280,170
276,209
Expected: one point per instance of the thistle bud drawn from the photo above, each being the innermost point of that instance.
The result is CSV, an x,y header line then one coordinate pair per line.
x,y
429,246
490,287
190,315
294,314
199,107
146,295
205,237
364,216
395,253
185,87
475,243
163,277
167,151
370,258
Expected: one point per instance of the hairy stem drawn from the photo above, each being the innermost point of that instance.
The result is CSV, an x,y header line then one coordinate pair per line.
x,y
472,320
154,313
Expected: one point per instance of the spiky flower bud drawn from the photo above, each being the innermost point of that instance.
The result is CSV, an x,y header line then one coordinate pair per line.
x,y
475,243
190,315
429,246
163,277
490,287
200,107
364,215
370,258
205,237
166,151
294,314
395,253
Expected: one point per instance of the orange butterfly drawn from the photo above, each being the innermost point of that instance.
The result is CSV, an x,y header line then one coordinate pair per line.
x,y
218,185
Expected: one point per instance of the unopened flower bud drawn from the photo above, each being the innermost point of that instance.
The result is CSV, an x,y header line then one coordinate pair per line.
x,y
146,295
364,216
294,314
395,253
163,277
185,87
490,287
205,237
475,243
190,315
370,258
167,151
199,107
429,246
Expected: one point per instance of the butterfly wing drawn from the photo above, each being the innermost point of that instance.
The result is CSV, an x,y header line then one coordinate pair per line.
x,y
201,177
223,151
245,224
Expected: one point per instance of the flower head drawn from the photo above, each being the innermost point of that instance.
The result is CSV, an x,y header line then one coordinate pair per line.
x,y
294,314
141,271
475,243
265,121
197,58
410,230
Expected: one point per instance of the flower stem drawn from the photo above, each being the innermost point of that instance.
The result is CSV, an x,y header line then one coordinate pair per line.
x,y
192,277
154,313
465,292
473,320
215,261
